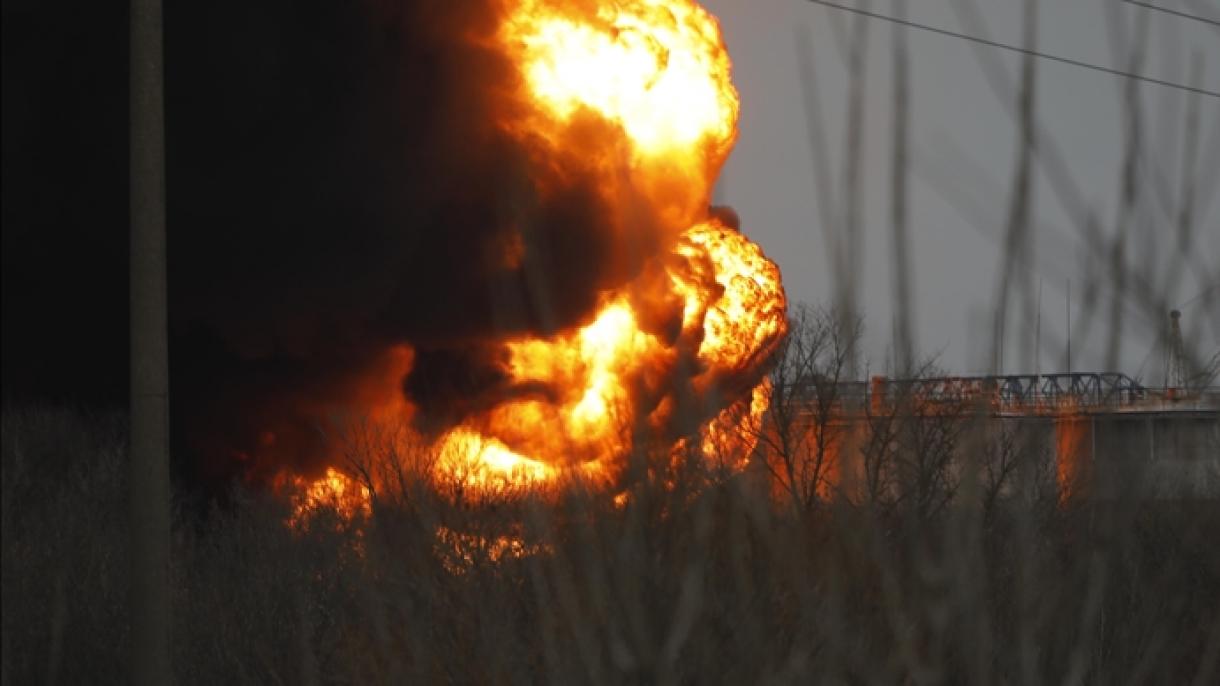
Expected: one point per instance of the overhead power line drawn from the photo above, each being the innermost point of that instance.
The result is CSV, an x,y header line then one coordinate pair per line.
x,y
1176,13
1014,48
1196,297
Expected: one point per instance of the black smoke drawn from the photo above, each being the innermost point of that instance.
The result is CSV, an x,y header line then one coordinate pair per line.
x,y
341,180
339,183
64,203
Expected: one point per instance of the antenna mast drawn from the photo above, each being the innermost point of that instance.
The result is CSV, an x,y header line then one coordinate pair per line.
x,y
1038,335
1176,376
1069,323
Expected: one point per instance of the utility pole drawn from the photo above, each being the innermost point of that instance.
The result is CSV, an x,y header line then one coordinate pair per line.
x,y
148,458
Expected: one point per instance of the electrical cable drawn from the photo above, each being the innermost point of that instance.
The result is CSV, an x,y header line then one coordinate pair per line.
x,y
1176,13
1013,48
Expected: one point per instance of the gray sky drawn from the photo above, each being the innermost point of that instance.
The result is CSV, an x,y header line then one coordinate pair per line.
x,y
963,144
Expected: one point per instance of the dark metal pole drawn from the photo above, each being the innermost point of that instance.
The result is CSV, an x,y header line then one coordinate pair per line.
x,y
149,447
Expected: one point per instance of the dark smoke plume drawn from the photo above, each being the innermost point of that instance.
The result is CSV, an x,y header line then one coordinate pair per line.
x,y
341,183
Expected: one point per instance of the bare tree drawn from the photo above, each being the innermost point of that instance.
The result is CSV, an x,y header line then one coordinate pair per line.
x,y
803,433
927,455
998,458
149,447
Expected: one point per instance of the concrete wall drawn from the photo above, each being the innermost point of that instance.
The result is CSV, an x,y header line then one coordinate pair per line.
x,y
1115,455
1156,454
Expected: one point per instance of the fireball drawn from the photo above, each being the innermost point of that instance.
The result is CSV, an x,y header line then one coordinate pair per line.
x,y
640,92
657,69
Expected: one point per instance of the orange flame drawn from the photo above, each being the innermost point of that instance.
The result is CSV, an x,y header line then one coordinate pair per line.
x,y
334,491
733,315
1072,430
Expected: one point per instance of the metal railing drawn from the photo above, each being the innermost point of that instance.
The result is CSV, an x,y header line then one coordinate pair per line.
x,y
1011,393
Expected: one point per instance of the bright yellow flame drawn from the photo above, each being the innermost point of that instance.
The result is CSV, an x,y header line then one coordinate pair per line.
x,y
656,68
477,460
333,491
730,438
460,552
638,89
585,372
751,310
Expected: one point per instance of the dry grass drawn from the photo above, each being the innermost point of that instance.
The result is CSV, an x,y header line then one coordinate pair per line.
x,y
714,584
